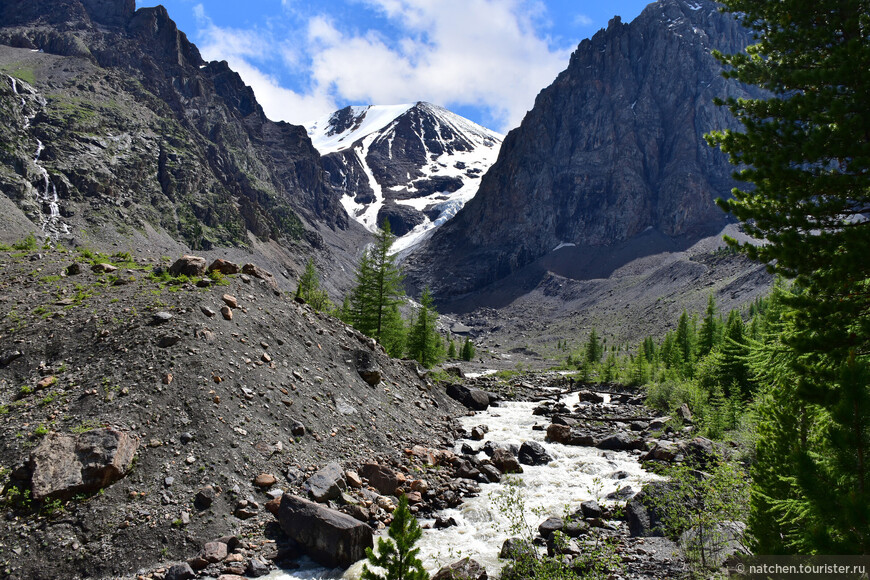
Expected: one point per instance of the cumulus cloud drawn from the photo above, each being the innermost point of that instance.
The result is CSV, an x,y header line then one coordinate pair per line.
x,y
488,54
484,53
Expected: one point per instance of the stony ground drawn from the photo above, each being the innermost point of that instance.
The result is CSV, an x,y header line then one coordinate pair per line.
x,y
210,402
228,394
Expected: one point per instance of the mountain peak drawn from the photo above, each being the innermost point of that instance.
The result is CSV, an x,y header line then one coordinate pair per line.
x,y
414,165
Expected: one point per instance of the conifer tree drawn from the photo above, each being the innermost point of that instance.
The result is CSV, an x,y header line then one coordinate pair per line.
x,y
806,154
378,293
734,365
685,342
398,557
424,342
708,335
594,348
451,350
309,288
467,350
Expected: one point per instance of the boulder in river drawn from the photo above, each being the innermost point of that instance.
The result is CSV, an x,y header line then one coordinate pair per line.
x,y
533,453
474,399
329,537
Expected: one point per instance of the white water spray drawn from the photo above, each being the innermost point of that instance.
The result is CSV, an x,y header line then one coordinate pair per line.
x,y
574,475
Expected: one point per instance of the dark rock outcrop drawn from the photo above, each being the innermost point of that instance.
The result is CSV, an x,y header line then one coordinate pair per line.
x,y
613,148
329,537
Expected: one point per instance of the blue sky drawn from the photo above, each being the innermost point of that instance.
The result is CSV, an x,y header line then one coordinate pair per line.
x,y
484,59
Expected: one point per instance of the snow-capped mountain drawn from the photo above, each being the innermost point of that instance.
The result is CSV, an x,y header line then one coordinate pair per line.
x,y
415,165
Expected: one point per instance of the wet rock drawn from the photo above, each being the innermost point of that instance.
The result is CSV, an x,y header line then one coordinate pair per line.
x,y
256,568
550,525
367,366
559,433
620,442
465,569
491,472
225,267
63,465
329,537
380,477
441,522
180,572
533,453
515,548
479,432
474,399
505,461
590,397
327,483
590,509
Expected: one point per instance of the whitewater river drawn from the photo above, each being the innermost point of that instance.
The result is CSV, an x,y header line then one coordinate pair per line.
x,y
576,474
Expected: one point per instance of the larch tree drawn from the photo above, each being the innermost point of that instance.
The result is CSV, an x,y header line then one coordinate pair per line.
x,y
804,152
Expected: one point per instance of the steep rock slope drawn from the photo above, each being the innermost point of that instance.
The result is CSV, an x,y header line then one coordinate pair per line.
x,y
614,147
115,129
212,400
414,165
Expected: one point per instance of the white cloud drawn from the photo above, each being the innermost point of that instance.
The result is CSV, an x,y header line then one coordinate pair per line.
x,y
479,53
582,20
453,52
239,48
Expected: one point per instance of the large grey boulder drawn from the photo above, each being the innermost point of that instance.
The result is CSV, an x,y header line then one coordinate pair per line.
x,y
367,366
533,453
474,399
327,483
643,517
329,537
66,465
188,266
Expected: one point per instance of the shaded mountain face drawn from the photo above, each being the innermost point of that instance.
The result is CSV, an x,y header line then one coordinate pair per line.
x,y
613,148
112,122
414,165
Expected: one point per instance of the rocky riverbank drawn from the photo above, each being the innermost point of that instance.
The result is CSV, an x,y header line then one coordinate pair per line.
x,y
157,419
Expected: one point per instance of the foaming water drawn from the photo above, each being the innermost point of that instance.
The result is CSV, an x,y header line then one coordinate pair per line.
x,y
574,475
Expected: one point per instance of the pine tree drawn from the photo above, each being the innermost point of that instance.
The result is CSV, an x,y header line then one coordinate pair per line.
x,y
398,557
734,369
467,350
685,342
708,335
806,154
594,348
378,293
309,289
424,342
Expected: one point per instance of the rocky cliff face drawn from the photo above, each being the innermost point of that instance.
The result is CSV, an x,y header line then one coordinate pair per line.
x,y
414,165
137,134
613,148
